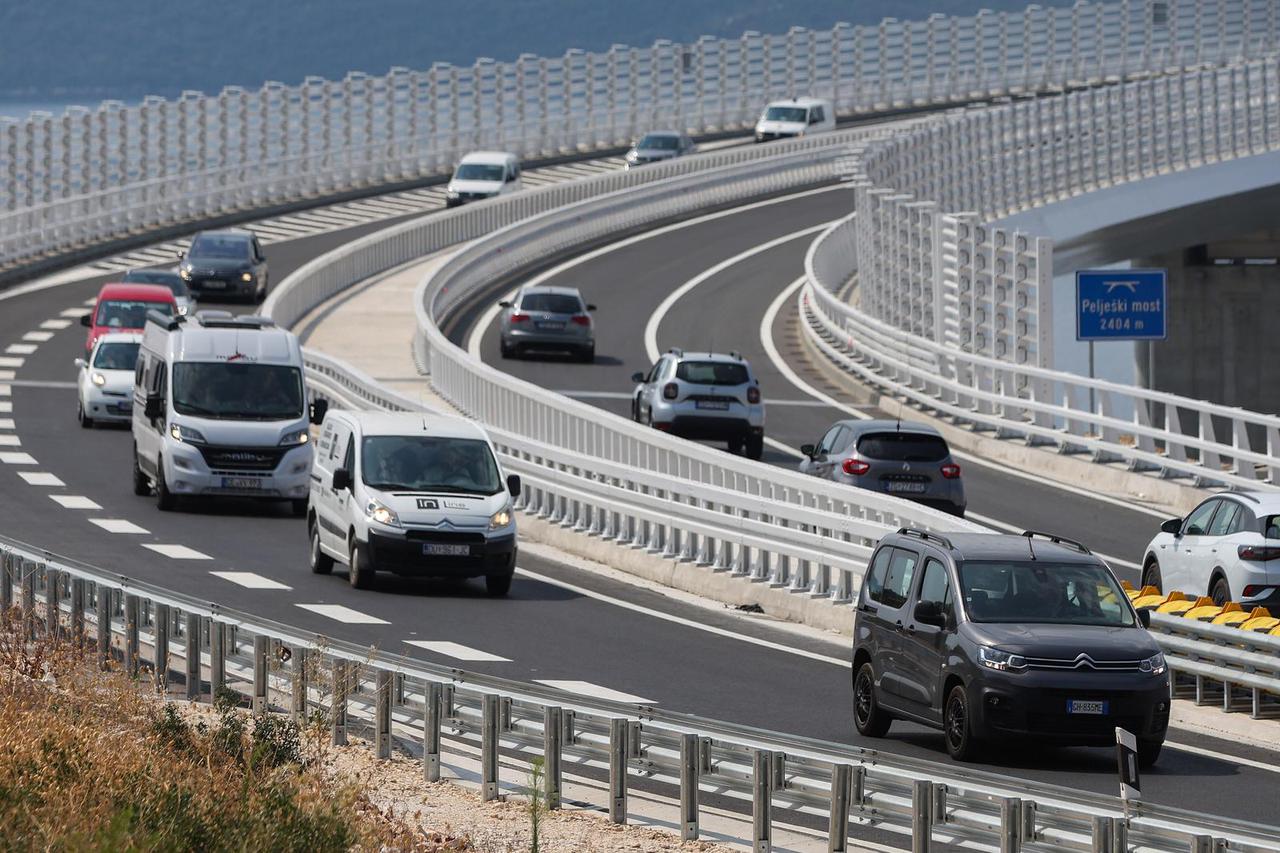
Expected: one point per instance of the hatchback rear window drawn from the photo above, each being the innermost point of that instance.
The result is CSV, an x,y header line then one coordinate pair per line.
x,y
713,372
902,447
552,303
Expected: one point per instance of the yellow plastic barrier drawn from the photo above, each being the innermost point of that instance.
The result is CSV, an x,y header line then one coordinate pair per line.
x,y
1149,596
1205,609
1259,620
1274,632
1235,614
1128,589
1178,604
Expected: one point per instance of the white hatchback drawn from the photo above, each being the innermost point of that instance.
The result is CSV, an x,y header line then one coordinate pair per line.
x,y
105,384
1228,548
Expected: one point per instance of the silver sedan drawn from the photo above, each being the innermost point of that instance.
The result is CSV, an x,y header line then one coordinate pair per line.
x,y
549,319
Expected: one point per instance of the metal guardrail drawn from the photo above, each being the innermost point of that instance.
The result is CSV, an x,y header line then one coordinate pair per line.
x,y
90,176
176,640
972,351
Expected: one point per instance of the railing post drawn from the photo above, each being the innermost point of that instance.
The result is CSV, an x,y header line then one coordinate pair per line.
x,y
552,737
1010,825
261,649
431,733
104,611
217,659
77,611
194,626
382,714
689,787
301,687
52,579
338,708
28,599
761,801
489,749
131,634
1102,833
7,563
618,738
838,828
160,649
921,816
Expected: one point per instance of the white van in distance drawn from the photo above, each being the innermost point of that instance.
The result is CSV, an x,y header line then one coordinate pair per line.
x,y
413,494
795,117
483,174
220,408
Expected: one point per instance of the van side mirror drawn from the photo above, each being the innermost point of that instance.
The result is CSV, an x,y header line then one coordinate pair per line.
x,y
1144,616
637,377
1173,525
81,363
808,450
86,320
341,480
590,307
155,407
318,410
513,485
931,613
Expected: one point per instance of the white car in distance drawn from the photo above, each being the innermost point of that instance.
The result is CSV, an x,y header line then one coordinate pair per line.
x,y
481,175
105,384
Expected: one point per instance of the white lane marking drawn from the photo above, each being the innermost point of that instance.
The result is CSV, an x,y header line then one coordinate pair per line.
x,y
90,302
6,407
6,374
118,525
1013,528
343,614
10,361
177,552
651,328
623,395
40,478
7,440
6,390
55,325
6,423
595,691
486,319
75,502
37,337
456,650
688,623
73,312
39,383
17,458
250,580
20,349
1222,756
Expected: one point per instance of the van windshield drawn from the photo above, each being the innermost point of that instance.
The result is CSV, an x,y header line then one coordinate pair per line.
x,y
128,313
797,114
479,172
422,463
253,392
1042,592
116,357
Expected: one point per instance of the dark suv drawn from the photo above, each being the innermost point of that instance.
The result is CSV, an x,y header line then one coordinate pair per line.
x,y
992,637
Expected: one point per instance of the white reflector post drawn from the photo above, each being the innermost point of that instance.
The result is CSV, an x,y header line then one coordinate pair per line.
x,y
1127,759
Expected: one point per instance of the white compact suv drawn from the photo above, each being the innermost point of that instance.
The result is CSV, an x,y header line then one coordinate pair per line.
x,y
412,494
702,395
105,384
1228,548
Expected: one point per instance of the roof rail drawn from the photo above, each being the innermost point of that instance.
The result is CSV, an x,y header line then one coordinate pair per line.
x,y
1058,540
1241,493
677,352
927,536
168,322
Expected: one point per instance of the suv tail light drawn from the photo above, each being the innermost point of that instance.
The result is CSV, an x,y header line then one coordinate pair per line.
x,y
519,318
670,390
1258,552
1253,589
753,395
581,319
856,467
951,471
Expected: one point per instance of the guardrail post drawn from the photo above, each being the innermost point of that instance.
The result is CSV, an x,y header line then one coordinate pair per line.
x,y
1102,833
1010,825
1119,835
382,714
301,687
194,626
160,649
52,579
104,611
433,697
7,563
689,787
1027,830
1202,844
131,607
838,828
28,600
761,801
261,649
338,709
618,770
217,659
489,749
77,611
921,816
552,734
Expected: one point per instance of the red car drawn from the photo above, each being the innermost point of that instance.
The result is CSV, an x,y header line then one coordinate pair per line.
x,y
124,307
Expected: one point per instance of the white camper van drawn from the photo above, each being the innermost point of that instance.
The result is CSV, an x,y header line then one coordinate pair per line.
x,y
220,408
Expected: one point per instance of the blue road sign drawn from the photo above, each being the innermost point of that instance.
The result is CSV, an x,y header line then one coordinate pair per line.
x,y
1121,305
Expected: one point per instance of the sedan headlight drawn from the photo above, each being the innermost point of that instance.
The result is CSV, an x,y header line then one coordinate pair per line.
x,y
500,519
99,380
1154,664
186,433
381,513
1001,660
246,276
295,438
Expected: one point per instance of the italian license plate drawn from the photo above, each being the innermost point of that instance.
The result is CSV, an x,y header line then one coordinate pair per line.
x,y
241,483
441,549
903,486
214,285
550,326
719,405
1083,706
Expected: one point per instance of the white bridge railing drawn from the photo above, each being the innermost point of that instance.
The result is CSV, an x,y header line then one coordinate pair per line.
x,y
90,176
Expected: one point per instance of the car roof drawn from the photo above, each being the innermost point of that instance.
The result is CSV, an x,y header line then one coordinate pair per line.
x,y
414,423
661,133
805,101
711,356
546,288
190,340
886,425
488,158
226,232
1000,546
120,338
135,291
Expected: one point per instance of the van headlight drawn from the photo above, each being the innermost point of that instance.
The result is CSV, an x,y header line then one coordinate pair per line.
x,y
451,193
1001,660
501,518
1154,664
295,438
381,513
99,380
246,276
178,432
184,273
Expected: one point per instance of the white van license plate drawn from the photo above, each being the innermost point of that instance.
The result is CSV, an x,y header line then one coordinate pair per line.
x,y
718,405
439,549
241,483
1077,706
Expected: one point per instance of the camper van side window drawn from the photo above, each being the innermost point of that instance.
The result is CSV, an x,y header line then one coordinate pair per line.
x,y
139,371
157,380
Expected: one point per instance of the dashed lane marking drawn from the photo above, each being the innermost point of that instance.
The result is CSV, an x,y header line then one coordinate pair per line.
x,y
457,651
595,691
39,383
55,325
73,312
250,580
6,423
37,337
11,361
177,552
118,525
20,349
90,302
74,501
7,440
6,407
40,478
5,390
17,458
6,374
343,614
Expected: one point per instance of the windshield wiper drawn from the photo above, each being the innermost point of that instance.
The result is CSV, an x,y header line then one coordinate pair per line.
x,y
393,487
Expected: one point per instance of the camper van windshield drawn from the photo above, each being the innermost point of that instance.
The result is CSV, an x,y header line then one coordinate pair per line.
x,y
256,392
